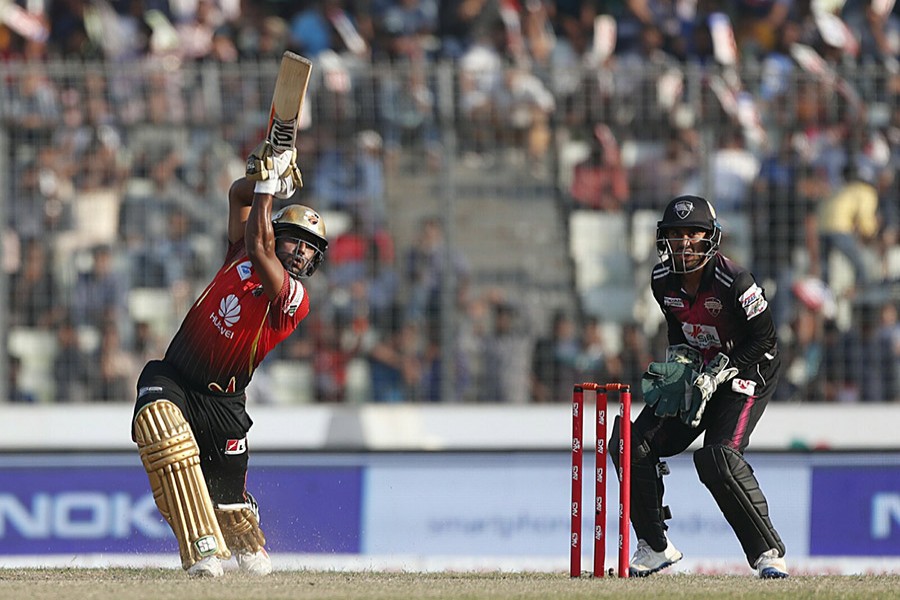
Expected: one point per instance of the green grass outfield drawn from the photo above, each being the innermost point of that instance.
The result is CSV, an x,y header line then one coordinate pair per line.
x,y
164,584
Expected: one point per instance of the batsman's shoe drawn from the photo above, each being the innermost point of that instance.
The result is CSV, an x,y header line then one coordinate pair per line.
x,y
771,566
209,566
647,561
254,563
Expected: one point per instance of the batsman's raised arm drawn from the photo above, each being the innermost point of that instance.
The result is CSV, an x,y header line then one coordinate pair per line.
x,y
240,198
275,174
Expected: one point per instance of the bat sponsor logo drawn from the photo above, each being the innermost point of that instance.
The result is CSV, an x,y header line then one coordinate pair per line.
x,y
283,133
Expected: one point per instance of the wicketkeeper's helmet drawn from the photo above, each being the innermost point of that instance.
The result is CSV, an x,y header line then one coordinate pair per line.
x,y
687,211
300,223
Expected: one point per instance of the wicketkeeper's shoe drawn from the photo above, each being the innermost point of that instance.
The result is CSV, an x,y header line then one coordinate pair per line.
x,y
209,566
254,563
647,561
770,565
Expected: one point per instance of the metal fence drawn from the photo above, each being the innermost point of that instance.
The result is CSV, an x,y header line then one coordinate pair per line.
x,y
492,231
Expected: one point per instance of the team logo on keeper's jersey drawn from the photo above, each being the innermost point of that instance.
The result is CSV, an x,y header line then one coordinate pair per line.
x,y
713,305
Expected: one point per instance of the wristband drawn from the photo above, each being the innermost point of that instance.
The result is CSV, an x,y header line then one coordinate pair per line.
x,y
267,186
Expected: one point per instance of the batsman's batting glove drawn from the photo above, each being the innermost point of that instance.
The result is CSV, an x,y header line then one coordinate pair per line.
x,y
665,385
274,172
714,374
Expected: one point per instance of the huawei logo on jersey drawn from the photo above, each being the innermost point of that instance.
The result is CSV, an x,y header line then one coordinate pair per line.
x,y
230,310
229,313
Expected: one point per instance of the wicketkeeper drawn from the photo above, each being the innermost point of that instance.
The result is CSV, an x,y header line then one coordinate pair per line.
x,y
721,369
190,419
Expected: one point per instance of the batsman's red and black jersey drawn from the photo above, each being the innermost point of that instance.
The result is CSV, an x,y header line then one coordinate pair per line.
x,y
730,314
232,325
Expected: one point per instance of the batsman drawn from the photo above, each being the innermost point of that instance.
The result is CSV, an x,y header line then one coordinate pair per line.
x,y
190,420
721,369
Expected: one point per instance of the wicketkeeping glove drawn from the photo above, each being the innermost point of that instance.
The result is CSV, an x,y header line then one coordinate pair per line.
x,y
667,387
714,374
686,354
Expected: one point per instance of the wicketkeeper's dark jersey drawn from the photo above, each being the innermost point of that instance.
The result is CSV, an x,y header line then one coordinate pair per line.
x,y
232,326
730,315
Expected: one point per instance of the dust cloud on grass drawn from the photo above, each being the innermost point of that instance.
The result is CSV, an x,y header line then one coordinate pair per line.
x,y
156,584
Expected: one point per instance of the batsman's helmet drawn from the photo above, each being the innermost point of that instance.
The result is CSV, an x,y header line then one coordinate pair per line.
x,y
687,212
300,223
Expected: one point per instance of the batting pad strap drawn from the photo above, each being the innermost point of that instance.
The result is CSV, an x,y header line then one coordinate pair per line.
x,y
240,527
171,458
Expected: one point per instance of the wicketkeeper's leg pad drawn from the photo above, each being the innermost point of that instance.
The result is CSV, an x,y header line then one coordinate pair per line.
x,y
731,481
172,461
648,515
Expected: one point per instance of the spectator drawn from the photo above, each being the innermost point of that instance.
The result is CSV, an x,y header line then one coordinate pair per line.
x,y
756,24
116,368
364,262
871,349
461,22
406,30
784,226
35,109
327,25
480,80
505,356
428,266
396,361
600,181
17,394
351,179
553,361
526,106
34,292
634,356
595,361
803,355
146,345
407,111
848,220
71,366
99,294
652,179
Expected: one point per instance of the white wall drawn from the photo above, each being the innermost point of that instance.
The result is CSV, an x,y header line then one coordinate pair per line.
x,y
430,427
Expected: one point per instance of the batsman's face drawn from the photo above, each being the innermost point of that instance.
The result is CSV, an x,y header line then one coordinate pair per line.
x,y
295,254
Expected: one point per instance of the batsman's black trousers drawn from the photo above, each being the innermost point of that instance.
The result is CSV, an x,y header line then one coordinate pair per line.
x,y
219,422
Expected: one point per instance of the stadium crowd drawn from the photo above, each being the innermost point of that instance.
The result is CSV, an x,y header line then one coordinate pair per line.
x,y
126,122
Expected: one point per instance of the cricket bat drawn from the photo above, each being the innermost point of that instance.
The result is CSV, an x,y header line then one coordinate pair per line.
x,y
287,101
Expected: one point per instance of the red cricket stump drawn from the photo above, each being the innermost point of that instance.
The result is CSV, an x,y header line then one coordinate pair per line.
x,y
600,455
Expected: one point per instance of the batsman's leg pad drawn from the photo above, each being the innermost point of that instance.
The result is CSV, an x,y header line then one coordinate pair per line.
x,y
240,526
172,461
648,515
735,489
